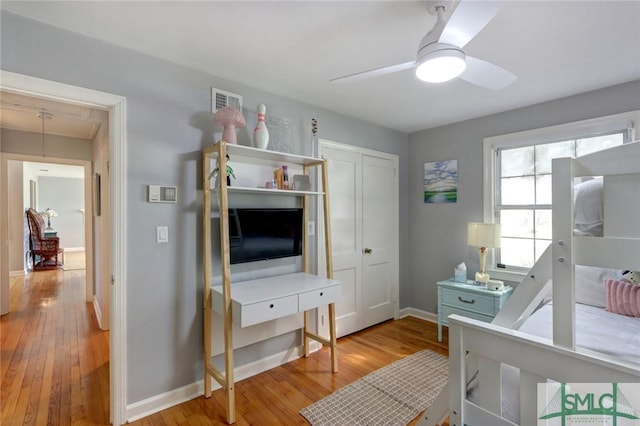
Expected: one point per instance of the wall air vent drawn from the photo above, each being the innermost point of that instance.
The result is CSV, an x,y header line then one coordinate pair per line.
x,y
222,98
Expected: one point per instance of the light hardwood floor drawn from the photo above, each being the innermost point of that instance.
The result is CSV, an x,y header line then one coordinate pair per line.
x,y
55,368
55,359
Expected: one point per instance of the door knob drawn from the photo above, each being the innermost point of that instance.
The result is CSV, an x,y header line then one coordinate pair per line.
x,y
367,251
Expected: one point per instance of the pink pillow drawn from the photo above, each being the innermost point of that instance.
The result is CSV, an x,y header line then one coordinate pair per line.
x,y
623,298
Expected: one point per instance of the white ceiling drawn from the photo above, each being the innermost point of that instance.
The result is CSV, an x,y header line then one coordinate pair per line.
x,y
50,169
293,48
19,112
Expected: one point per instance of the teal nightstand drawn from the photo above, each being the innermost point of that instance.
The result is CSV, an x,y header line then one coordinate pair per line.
x,y
469,300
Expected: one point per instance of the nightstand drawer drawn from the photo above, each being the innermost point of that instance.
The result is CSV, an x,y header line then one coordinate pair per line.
x,y
448,310
468,301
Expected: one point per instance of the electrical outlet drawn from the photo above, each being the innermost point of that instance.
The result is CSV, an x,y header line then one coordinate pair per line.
x,y
311,228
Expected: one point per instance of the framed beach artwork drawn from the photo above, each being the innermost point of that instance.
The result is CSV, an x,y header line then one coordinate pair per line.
x,y
441,182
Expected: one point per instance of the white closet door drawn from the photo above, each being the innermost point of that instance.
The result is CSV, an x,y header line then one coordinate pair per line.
x,y
345,189
378,272
363,202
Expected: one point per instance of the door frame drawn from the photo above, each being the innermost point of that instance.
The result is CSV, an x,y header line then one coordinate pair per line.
x,y
116,106
320,258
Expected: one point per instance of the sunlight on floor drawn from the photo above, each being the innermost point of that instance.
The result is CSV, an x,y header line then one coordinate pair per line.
x,y
74,260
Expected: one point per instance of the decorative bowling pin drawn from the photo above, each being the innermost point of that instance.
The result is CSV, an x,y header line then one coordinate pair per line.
x,y
261,133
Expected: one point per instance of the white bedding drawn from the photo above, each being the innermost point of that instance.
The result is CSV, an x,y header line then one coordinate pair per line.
x,y
596,330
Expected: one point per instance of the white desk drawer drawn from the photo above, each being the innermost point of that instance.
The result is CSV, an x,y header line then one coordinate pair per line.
x,y
469,301
314,298
268,310
449,310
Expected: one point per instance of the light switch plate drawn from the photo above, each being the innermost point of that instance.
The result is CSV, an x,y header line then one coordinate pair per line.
x,y
162,234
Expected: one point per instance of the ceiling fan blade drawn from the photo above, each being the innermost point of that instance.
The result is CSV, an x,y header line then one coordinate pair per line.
x,y
374,72
485,74
467,20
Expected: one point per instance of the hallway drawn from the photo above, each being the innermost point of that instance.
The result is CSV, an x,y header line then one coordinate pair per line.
x,y
54,363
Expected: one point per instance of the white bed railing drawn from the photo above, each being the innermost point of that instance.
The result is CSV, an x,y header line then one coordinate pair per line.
x,y
538,360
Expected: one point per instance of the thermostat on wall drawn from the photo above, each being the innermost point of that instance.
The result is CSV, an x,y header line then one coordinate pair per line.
x,y
163,194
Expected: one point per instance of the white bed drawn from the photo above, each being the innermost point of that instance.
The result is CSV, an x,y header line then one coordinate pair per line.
x,y
594,327
503,362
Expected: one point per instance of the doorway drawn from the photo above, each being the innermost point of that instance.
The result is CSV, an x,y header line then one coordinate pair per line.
x,y
116,107
56,190
364,198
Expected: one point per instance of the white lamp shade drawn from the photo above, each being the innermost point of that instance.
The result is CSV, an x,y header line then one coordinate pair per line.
x,y
483,234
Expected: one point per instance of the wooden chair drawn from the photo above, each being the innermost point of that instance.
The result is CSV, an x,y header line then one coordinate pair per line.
x,y
44,251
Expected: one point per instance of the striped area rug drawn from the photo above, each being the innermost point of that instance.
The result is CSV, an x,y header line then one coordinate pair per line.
x,y
393,395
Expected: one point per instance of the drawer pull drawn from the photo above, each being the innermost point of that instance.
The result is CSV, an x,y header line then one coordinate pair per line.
x,y
471,302
271,305
321,294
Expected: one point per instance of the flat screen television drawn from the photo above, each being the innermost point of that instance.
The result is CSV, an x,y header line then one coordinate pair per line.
x,y
263,234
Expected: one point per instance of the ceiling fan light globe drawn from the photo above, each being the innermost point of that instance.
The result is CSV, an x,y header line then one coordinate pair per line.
x,y
441,66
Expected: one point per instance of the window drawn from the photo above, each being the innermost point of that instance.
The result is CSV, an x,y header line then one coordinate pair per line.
x,y
523,195
518,185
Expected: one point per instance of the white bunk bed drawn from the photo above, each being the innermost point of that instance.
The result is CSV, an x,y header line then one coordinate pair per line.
x,y
494,368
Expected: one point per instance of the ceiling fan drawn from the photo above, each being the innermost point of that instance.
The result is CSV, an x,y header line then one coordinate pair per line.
x,y
440,56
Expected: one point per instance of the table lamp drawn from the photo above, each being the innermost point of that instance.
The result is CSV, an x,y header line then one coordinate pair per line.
x,y
483,236
49,213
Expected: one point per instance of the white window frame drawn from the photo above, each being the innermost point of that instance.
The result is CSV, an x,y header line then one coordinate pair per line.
x,y
573,130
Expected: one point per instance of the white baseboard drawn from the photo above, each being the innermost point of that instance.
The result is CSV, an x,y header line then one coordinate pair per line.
x,y
157,403
418,313
98,311
17,273
69,249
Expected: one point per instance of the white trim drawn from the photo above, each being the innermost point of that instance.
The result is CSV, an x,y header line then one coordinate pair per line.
x,y
418,313
505,275
17,273
570,130
116,105
558,132
157,403
118,214
149,406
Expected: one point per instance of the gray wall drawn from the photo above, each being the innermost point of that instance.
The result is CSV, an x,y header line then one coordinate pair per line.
x,y
438,237
168,123
65,196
